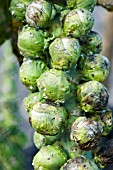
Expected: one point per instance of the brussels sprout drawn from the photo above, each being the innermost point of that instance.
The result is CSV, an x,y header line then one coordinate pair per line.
x,y
47,119
54,86
64,52
31,100
31,42
94,67
108,4
43,140
78,23
79,163
50,157
92,43
86,133
30,71
18,9
39,13
92,96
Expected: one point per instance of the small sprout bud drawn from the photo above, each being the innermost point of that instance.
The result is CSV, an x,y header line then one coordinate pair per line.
x,y
31,100
50,157
58,88
92,96
31,42
43,140
64,52
92,43
47,119
94,67
86,133
30,71
78,23
55,29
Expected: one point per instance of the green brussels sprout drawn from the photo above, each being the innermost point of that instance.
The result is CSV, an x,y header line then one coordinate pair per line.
x,y
64,52
18,9
30,71
78,23
108,4
86,133
79,163
31,100
40,13
55,86
92,43
88,4
31,42
94,67
50,157
92,96
47,119
55,29
43,140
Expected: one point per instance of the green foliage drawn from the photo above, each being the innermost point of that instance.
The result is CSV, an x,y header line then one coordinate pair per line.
x,y
12,139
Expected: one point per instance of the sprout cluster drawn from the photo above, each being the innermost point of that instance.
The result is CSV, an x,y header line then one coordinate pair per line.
x,y
64,71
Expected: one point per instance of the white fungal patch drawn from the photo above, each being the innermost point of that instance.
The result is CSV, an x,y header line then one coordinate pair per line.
x,y
28,62
38,83
20,5
31,87
35,97
31,35
21,70
65,42
45,89
12,12
80,15
44,106
63,89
